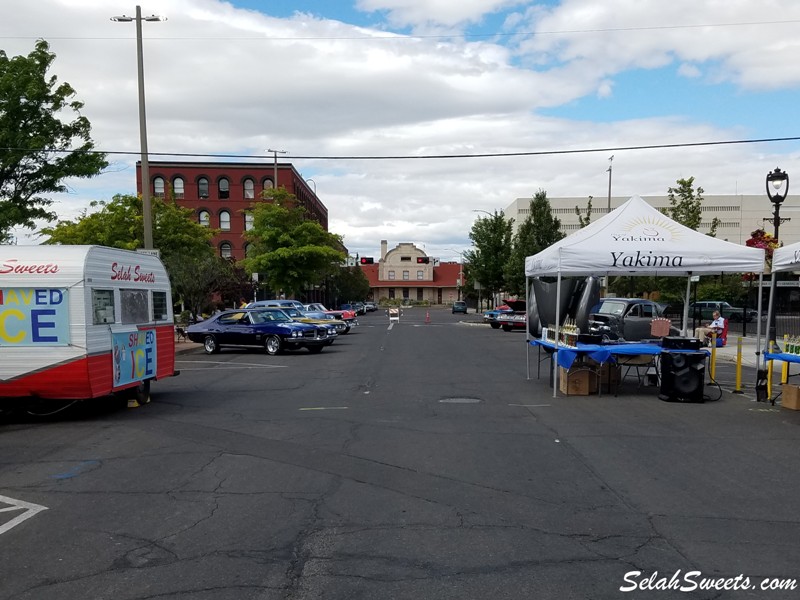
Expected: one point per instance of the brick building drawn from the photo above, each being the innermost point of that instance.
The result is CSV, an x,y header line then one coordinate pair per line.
x,y
221,193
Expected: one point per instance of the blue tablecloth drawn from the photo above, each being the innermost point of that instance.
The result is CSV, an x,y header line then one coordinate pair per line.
x,y
791,358
598,353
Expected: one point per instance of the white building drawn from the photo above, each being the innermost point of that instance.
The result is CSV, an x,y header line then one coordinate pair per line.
x,y
739,215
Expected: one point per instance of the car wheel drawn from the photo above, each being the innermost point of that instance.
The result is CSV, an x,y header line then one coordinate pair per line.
x,y
315,349
273,345
346,330
506,327
495,325
210,345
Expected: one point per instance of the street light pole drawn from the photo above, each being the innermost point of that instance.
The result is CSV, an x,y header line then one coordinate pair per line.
x,y
147,214
275,153
776,195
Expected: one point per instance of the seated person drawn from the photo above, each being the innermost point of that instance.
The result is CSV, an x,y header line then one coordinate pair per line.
x,y
716,326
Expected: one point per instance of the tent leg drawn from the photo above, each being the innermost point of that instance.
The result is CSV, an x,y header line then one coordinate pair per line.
x,y
684,329
758,325
527,326
558,326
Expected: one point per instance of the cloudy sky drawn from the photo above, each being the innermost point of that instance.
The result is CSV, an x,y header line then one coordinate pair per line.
x,y
370,98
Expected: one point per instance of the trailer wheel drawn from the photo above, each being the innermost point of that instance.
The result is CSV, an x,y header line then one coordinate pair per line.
x,y
141,393
210,345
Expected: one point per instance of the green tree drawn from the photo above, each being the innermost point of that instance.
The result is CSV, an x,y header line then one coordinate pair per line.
x,y
349,283
485,264
118,224
584,221
195,279
39,150
538,231
686,206
292,253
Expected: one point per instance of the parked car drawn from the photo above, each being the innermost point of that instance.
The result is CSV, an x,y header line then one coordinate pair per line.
x,y
296,304
341,326
268,328
459,306
360,308
303,316
628,319
348,316
371,306
513,321
704,309
490,316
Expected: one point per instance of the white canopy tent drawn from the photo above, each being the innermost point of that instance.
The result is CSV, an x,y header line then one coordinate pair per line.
x,y
638,240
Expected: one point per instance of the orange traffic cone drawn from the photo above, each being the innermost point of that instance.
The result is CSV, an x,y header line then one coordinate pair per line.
x,y
428,316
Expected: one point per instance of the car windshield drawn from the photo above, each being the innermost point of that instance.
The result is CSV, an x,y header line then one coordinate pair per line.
x,y
263,316
612,308
318,315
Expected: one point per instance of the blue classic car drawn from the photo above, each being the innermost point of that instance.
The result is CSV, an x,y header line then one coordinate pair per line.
x,y
508,307
268,328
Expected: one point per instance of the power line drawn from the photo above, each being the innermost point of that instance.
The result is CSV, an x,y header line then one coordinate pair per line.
x,y
436,156
399,36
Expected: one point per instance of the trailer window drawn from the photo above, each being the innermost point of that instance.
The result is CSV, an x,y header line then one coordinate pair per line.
x,y
134,306
160,306
102,307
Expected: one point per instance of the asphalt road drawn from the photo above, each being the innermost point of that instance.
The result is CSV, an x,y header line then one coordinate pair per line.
x,y
411,462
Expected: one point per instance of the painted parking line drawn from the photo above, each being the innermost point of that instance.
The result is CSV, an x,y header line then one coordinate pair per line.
x,y
29,510
530,405
324,408
225,365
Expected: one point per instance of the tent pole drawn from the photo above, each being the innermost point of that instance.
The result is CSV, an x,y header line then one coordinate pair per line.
x,y
686,306
528,325
558,326
758,324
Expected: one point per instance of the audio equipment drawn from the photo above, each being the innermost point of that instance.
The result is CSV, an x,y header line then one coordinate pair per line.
x,y
681,343
682,376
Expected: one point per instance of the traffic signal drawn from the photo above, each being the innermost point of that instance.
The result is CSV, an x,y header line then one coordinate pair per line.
x,y
367,260
423,260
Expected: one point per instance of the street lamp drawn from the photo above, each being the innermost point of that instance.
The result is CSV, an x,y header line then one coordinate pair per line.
x,y
776,192
483,211
275,153
147,214
315,185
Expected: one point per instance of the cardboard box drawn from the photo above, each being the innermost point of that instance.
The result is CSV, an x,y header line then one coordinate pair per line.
x,y
790,396
578,381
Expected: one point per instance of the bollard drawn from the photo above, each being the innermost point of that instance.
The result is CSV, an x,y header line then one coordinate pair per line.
x,y
769,370
785,367
713,369
738,389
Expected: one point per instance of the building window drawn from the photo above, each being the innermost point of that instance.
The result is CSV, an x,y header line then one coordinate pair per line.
x,y
225,220
267,185
405,275
177,188
248,250
202,187
249,189
225,250
158,187
224,189
391,275
204,218
420,275
248,221
391,293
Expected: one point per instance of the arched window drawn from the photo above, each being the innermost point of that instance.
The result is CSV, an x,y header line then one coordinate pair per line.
x,y
224,189
204,218
248,221
225,220
248,250
249,189
177,188
267,184
158,187
225,250
202,187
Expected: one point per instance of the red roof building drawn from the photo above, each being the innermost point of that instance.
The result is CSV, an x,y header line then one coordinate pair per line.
x,y
407,273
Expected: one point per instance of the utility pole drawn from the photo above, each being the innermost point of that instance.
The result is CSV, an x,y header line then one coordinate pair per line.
x,y
275,153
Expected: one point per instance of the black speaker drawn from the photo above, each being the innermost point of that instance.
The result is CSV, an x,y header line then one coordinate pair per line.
x,y
681,343
682,376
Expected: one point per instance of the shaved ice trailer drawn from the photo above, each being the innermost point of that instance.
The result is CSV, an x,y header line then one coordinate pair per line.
x,y
81,322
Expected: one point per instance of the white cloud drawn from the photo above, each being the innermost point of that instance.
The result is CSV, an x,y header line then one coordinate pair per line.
x,y
225,80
